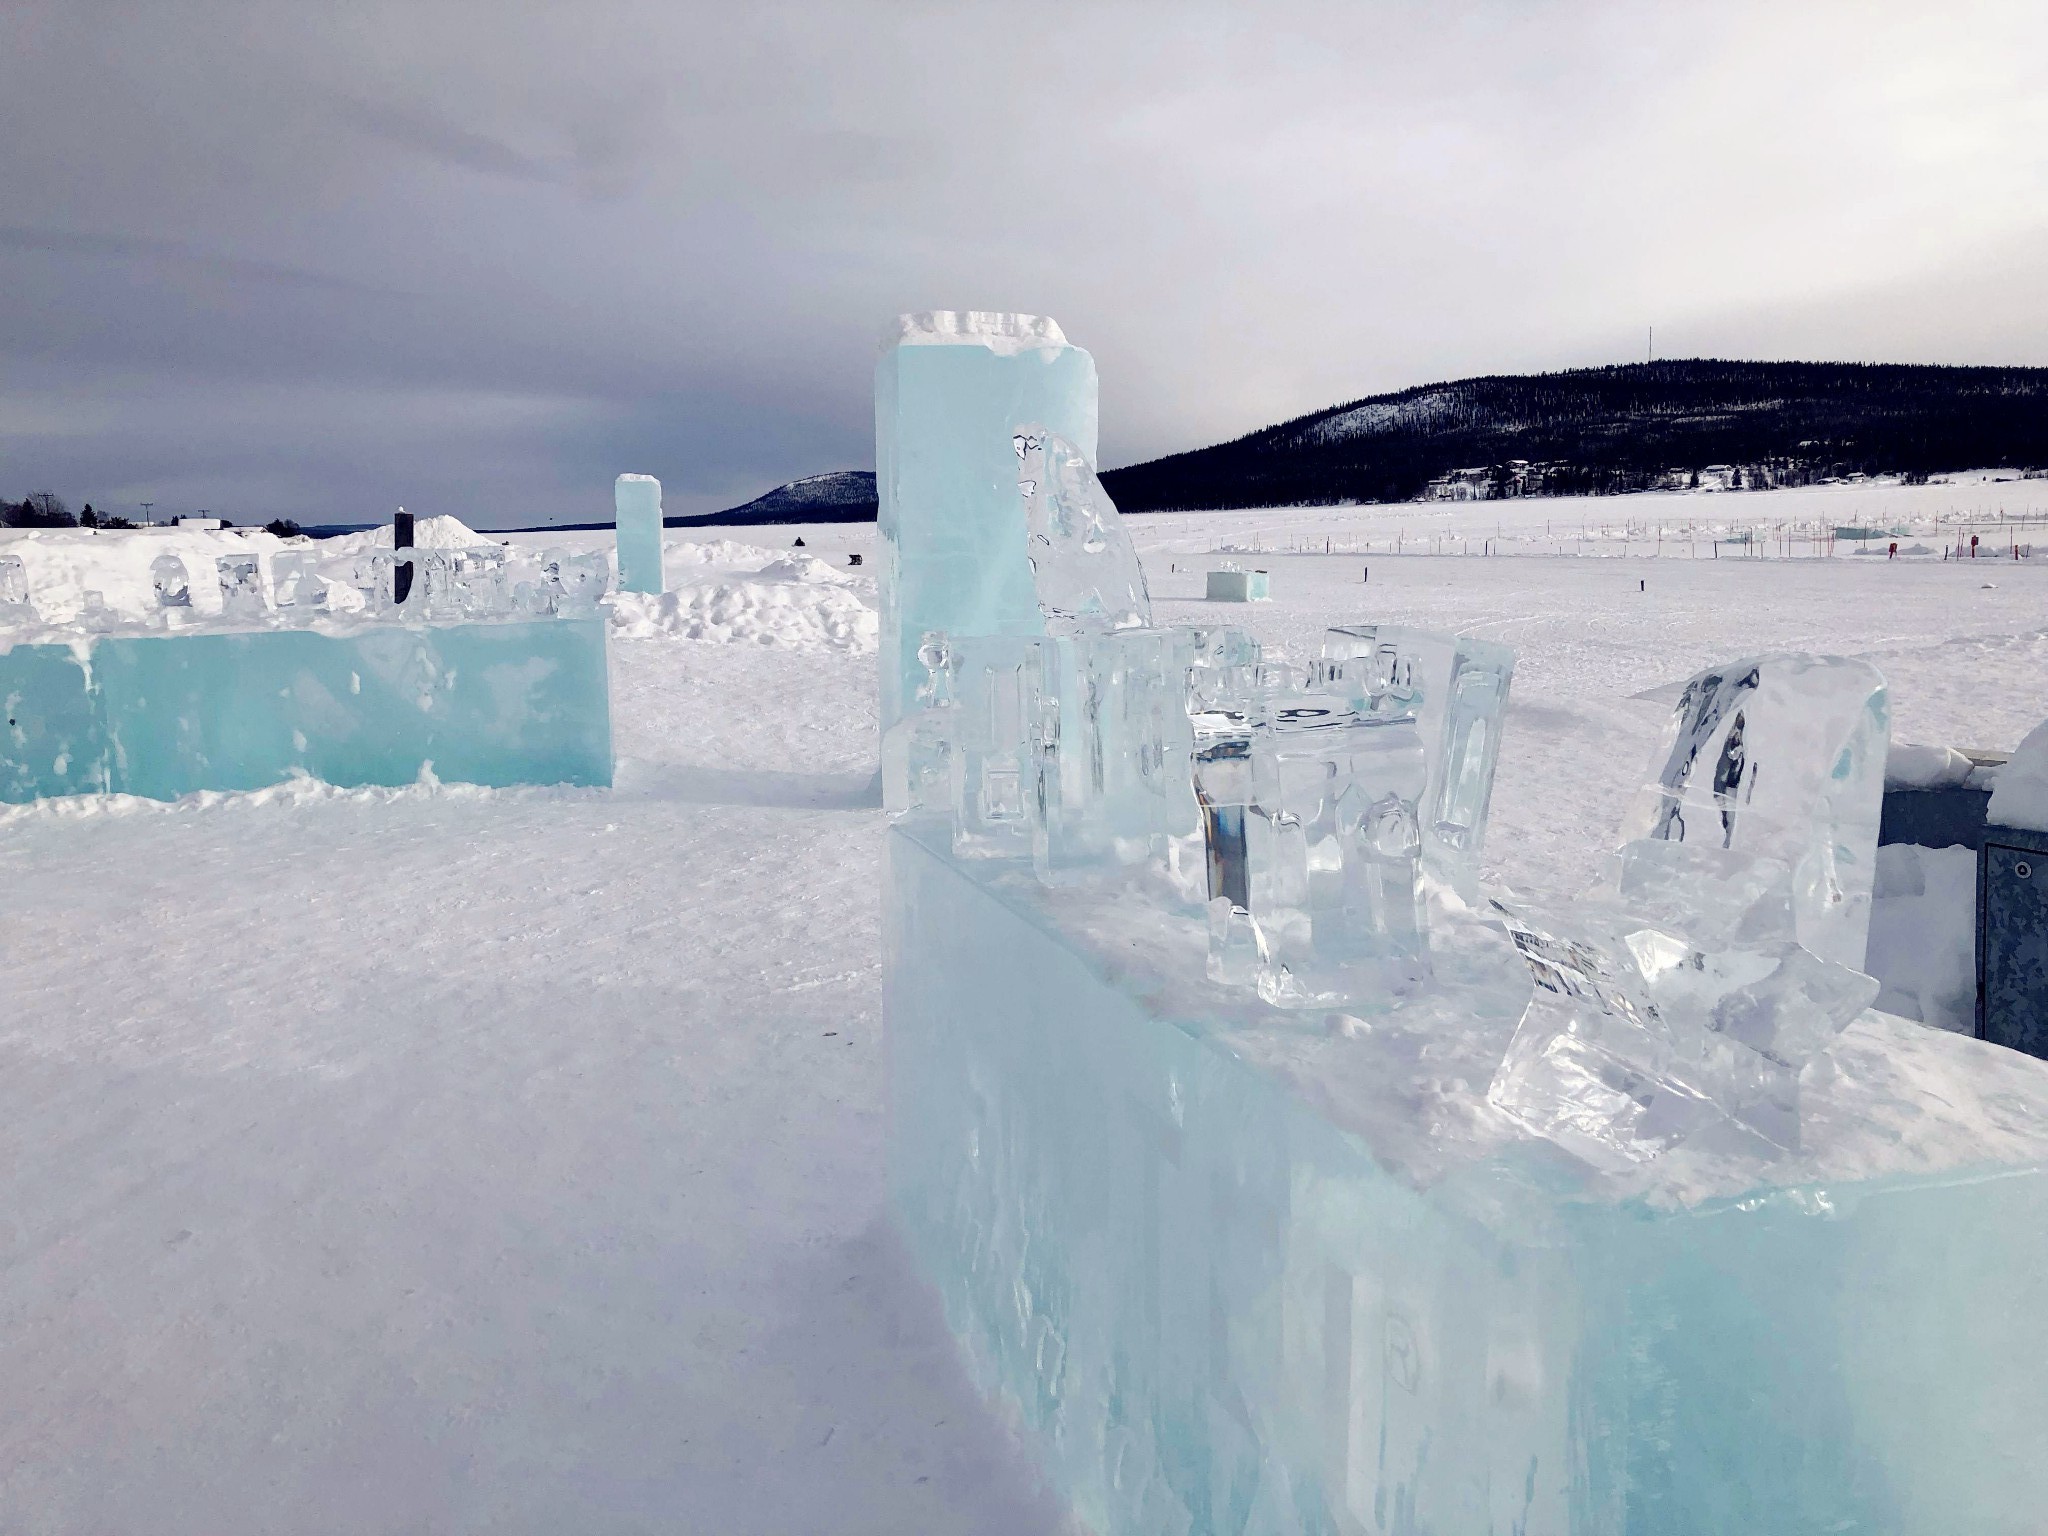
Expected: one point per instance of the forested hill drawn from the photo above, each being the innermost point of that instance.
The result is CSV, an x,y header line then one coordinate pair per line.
x,y
1644,426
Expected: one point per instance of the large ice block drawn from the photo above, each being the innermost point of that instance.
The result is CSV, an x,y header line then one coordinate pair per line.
x,y
637,521
1231,1275
162,715
952,391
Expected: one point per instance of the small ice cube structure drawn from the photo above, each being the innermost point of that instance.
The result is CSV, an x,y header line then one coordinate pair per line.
x,y
1459,689
637,520
1724,951
172,585
1236,1146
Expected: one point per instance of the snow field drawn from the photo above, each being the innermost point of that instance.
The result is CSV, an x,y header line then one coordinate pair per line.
x,y
451,1159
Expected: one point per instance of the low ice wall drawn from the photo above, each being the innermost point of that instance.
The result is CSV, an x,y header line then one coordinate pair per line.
x,y
163,715
1222,1294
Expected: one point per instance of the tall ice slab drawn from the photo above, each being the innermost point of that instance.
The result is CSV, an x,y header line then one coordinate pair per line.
x,y
953,389
636,501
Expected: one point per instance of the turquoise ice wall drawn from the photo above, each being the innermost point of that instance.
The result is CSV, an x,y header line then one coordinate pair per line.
x,y
952,522
1215,1311
165,715
636,501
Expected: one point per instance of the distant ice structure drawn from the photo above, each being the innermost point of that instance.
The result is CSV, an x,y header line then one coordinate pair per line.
x,y
1725,949
492,673
1231,585
637,516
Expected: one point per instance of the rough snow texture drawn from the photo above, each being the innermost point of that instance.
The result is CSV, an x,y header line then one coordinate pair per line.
x,y
427,533
1003,333
2021,798
1915,767
739,594
63,564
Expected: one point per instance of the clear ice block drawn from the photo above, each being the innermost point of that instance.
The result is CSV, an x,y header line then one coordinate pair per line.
x,y
952,390
999,694
1459,689
1226,1277
171,585
1116,756
1687,993
242,595
1083,564
637,500
917,751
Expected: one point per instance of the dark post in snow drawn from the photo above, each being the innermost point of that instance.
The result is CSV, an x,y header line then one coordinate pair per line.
x,y
401,538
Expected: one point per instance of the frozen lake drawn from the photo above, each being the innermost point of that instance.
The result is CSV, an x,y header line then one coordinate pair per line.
x,y
459,1160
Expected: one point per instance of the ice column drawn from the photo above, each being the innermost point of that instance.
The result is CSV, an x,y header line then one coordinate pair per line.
x,y
637,499
953,390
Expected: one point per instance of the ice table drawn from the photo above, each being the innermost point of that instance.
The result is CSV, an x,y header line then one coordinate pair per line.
x,y
1237,1271
162,715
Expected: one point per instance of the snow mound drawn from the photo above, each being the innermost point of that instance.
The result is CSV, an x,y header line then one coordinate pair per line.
x,y
726,554
427,533
792,615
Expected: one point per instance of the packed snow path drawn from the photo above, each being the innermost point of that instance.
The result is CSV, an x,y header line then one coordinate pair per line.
x,y
462,1161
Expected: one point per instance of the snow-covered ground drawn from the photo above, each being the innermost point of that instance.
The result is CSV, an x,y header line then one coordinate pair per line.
x,y
448,1159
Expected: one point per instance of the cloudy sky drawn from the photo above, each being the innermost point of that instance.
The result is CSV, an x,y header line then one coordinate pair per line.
x,y
318,259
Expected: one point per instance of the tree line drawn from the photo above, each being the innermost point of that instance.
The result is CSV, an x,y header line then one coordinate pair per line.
x,y
46,509
1643,426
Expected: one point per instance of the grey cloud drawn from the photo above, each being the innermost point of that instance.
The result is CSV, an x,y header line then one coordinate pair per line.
x,y
311,256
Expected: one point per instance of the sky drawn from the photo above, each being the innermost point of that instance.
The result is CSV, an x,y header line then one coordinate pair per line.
x,y
318,261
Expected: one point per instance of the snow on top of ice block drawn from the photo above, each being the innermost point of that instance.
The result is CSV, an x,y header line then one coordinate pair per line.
x,y
61,565
1002,333
2021,798
1908,766
655,478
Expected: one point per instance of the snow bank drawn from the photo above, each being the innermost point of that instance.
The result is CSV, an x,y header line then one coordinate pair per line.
x,y
746,595
63,564
2021,798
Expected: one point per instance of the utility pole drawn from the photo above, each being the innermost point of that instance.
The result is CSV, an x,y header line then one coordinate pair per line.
x,y
145,512
1653,346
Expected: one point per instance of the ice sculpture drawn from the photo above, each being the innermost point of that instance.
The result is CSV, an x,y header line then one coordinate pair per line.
x,y
1231,1277
1724,951
952,391
242,597
1459,687
1083,566
308,673
1190,1116
637,518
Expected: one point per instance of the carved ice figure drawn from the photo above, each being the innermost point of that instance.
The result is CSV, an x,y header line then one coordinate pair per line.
x,y
170,583
574,584
296,583
1458,687
1310,799
917,751
1115,756
241,587
1083,565
1724,950
15,606
999,698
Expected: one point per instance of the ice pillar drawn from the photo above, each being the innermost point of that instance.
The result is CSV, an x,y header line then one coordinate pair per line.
x,y
637,500
952,390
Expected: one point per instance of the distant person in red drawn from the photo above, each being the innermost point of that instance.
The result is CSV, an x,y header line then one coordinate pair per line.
x,y
1894,554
